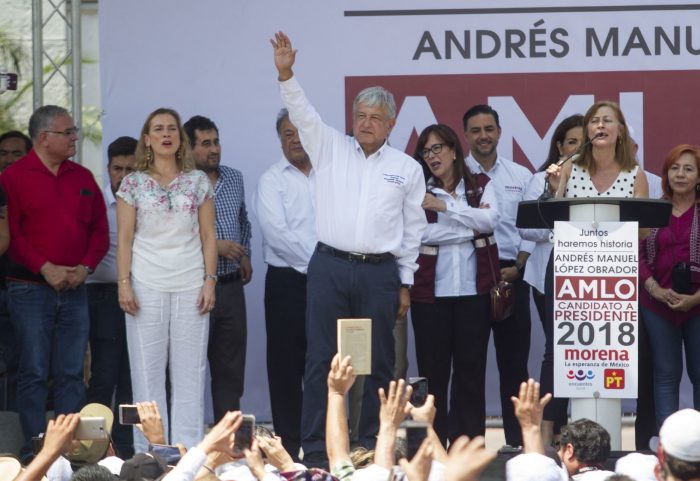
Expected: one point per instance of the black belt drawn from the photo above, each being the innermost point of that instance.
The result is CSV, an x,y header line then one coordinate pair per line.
x,y
232,277
354,256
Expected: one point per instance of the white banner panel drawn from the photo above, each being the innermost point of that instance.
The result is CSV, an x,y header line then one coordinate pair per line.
x,y
535,62
595,309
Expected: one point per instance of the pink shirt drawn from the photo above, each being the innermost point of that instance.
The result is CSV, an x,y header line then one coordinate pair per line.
x,y
673,246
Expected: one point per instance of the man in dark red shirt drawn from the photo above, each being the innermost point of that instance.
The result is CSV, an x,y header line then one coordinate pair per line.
x,y
59,233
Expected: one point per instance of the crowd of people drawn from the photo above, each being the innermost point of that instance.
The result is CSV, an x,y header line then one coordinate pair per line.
x,y
149,272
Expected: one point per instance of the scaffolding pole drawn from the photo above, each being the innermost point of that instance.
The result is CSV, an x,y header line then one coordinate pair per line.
x,y
68,12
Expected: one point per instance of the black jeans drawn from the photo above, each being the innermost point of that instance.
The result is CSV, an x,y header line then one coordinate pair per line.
x,y
285,319
228,334
110,376
452,338
341,288
511,338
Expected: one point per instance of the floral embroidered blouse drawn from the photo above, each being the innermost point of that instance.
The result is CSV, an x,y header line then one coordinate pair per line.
x,y
167,250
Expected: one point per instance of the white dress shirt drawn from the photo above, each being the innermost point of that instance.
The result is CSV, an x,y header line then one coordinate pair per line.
x,y
509,180
283,204
655,189
364,204
455,272
537,262
106,270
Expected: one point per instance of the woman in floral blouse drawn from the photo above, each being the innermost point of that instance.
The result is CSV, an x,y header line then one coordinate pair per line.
x,y
166,267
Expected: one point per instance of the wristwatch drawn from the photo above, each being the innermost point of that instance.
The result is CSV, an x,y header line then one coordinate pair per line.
x,y
88,269
407,286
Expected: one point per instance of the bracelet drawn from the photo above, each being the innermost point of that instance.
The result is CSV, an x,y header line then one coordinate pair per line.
x,y
211,277
651,287
208,468
123,281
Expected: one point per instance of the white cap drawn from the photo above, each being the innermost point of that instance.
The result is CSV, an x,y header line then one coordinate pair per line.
x,y
637,466
680,435
532,467
113,463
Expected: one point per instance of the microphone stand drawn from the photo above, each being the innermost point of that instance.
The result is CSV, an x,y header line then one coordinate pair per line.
x,y
547,194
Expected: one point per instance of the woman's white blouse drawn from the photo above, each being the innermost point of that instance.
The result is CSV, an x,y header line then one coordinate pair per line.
x,y
167,250
455,273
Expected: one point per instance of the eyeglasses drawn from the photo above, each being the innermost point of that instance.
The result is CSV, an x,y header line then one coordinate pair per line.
x,y
435,149
67,132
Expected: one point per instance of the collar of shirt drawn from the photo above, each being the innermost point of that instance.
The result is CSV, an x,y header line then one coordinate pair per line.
x,y
34,163
459,189
378,153
284,164
477,168
109,196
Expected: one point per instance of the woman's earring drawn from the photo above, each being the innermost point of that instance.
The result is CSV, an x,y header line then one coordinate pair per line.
x,y
149,155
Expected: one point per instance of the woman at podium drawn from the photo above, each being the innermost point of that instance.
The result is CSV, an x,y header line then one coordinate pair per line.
x,y
670,272
450,309
604,166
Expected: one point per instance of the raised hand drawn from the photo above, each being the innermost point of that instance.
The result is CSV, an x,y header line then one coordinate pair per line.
x,y
467,459
341,376
393,403
285,55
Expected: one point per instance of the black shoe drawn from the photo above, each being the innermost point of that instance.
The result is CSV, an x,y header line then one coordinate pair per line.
x,y
316,459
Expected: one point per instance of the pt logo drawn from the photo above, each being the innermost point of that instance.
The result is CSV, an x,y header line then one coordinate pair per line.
x,y
614,378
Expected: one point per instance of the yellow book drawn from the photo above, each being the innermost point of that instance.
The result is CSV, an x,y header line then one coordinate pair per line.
x,y
355,340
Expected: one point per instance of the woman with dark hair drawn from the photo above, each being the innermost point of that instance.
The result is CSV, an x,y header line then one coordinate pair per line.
x,y
669,269
565,141
166,274
449,309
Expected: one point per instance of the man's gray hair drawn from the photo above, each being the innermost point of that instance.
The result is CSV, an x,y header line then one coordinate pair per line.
x,y
281,115
376,97
43,117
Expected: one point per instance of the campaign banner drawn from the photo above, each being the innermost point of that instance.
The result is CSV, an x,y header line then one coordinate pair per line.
x,y
595,309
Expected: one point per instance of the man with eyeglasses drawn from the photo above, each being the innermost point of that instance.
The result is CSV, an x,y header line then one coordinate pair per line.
x,y
13,146
511,337
369,223
227,329
59,234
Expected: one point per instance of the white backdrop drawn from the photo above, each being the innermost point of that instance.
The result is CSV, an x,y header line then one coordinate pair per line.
x,y
535,64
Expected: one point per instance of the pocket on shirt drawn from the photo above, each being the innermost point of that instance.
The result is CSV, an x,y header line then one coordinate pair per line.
x,y
85,208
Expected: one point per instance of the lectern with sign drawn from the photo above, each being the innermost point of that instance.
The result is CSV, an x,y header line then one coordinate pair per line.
x,y
595,298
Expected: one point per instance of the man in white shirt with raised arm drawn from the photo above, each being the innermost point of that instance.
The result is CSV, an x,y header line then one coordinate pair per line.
x,y
284,207
369,223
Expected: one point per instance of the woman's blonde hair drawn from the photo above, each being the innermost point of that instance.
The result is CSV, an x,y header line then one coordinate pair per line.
x,y
144,155
624,151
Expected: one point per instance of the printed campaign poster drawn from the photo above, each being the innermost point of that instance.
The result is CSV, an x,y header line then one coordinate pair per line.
x,y
595,309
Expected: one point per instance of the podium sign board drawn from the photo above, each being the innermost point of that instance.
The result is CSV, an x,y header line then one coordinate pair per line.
x,y
595,309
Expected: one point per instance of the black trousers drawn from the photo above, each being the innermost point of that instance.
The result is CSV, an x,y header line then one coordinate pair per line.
x,y
452,337
285,317
341,288
227,347
110,376
511,338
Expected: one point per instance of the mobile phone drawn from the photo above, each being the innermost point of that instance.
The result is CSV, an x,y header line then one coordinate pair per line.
x,y
37,443
128,414
171,454
416,432
8,81
420,390
90,428
243,438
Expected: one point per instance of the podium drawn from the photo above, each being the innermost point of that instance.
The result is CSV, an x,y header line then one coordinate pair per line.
x,y
648,213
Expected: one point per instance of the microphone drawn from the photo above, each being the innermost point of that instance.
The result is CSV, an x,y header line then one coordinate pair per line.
x,y
547,194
